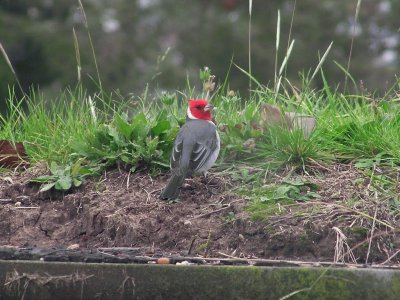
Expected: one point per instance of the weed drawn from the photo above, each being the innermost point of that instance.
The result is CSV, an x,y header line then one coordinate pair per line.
x,y
65,178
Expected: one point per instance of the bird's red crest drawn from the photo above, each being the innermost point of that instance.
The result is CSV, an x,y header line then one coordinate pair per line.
x,y
196,108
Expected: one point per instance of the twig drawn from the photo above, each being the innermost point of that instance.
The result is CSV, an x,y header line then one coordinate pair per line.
x,y
358,245
127,181
191,246
308,288
357,212
294,293
6,200
148,195
118,210
390,258
320,165
227,255
214,211
27,207
372,230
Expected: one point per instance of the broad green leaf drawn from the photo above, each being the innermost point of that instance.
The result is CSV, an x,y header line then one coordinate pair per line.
x,y
161,126
76,168
83,171
55,169
160,163
47,186
44,178
80,148
64,183
139,126
364,163
77,182
123,127
313,195
162,115
113,132
285,191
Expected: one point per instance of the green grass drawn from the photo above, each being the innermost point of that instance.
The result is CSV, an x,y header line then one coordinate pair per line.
x,y
79,136
348,128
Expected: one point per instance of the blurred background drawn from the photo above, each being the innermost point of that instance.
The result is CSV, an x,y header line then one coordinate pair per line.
x,y
161,42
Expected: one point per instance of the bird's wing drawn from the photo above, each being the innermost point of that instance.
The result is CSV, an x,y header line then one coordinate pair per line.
x,y
177,152
189,153
201,153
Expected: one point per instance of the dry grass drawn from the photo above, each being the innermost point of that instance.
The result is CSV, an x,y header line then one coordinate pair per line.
x,y
21,282
359,215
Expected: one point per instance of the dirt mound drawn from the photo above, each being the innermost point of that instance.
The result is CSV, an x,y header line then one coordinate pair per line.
x,y
122,209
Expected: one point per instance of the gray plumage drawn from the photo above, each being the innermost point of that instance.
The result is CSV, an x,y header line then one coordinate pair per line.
x,y
195,150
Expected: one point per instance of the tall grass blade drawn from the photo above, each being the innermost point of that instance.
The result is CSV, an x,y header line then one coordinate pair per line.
x,y
77,55
285,60
322,60
346,72
278,32
3,51
92,109
82,9
352,42
250,76
250,13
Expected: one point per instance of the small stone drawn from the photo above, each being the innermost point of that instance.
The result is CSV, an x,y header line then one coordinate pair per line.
x,y
163,261
73,247
184,263
8,179
231,93
18,204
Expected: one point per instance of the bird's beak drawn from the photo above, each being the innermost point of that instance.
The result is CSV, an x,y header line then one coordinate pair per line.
x,y
208,107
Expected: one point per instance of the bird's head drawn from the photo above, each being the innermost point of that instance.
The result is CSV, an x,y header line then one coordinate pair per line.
x,y
199,109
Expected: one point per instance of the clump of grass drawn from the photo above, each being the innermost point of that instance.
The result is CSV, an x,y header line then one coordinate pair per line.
x,y
48,128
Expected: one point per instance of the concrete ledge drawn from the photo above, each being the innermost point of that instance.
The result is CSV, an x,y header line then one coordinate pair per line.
x,y
32,280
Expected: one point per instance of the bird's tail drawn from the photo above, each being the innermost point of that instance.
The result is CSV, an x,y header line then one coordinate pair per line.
x,y
172,190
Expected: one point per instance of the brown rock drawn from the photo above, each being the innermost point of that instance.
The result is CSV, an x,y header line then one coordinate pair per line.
x,y
12,155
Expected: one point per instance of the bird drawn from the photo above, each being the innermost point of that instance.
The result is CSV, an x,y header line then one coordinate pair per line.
x,y
195,148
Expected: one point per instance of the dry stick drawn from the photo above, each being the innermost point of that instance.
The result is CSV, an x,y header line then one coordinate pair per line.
x,y
227,255
148,195
357,212
5,200
118,210
127,181
308,288
27,207
390,258
358,245
215,211
320,165
372,230
191,246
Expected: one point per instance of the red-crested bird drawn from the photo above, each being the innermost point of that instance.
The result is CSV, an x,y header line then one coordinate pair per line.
x,y
196,147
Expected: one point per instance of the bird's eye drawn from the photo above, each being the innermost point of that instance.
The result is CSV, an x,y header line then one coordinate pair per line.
x,y
198,107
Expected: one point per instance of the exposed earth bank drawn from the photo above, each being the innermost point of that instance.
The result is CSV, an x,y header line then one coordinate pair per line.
x,y
122,209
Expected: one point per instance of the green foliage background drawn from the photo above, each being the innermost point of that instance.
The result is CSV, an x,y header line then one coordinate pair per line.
x,y
131,37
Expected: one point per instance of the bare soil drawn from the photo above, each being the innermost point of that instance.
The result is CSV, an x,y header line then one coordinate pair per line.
x,y
122,209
